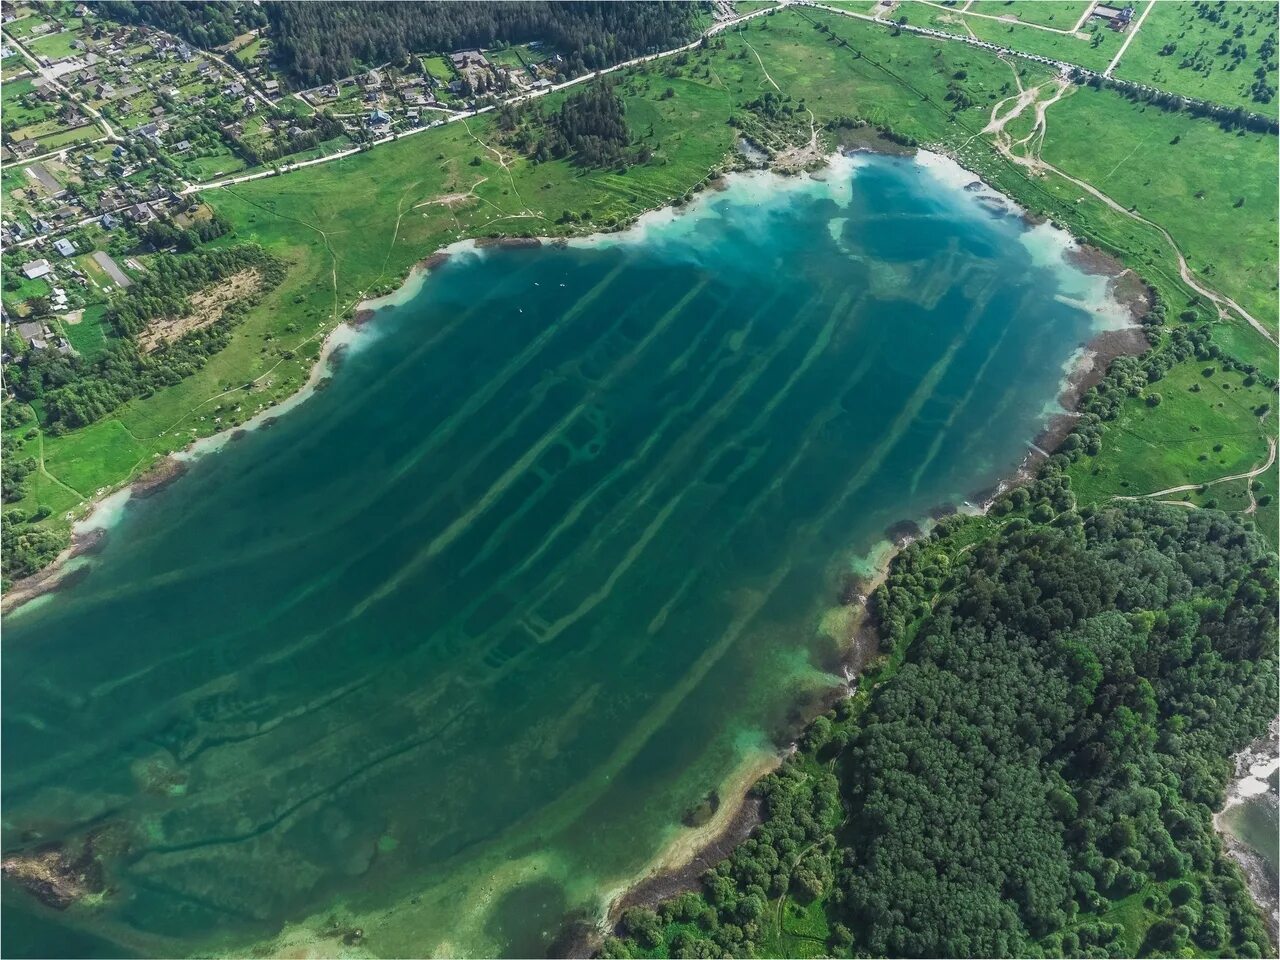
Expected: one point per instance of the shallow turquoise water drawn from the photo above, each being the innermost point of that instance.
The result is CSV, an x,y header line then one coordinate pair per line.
x,y
448,649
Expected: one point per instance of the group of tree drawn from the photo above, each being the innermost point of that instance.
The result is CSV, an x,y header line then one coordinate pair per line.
x,y
319,42
1055,742
1229,118
204,23
589,128
74,391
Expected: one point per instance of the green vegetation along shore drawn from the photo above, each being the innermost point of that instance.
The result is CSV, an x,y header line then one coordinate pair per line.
x,y
1032,767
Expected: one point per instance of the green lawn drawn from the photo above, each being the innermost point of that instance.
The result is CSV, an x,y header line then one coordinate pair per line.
x,y
16,114
61,138
211,166
439,68
1059,14
100,450
87,337
1180,49
23,290
55,46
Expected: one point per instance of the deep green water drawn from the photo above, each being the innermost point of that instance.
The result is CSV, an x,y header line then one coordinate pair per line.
x,y
461,637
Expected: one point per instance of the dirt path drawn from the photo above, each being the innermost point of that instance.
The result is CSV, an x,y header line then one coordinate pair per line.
x,y
1132,32
762,66
451,198
1182,488
1033,162
1001,19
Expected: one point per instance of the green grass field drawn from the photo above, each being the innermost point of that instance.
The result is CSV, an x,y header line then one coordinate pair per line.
x,y
55,46
211,166
87,337
1205,427
352,228
439,68
1093,48
1059,14
1180,49
16,114
1215,193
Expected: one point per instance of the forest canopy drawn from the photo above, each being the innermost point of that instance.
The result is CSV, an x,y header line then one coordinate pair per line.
x,y
1052,746
316,42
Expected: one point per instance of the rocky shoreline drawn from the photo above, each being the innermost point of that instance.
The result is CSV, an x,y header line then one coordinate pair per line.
x,y
1253,767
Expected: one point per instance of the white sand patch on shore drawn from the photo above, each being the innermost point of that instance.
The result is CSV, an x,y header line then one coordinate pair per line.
x,y
750,188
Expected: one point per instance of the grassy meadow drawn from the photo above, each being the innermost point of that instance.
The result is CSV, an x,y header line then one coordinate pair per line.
x,y
1211,51
1206,426
1092,47
1214,192
1059,14
352,228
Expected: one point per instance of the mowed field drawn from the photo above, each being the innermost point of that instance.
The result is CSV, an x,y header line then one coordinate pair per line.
x,y
353,228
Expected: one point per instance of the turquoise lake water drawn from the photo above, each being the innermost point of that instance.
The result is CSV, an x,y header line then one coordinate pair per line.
x,y
448,650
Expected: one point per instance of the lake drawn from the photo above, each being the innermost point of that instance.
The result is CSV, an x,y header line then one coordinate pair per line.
x,y
450,649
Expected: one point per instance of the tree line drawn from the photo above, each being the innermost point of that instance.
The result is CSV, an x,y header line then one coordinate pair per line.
x,y
319,42
203,23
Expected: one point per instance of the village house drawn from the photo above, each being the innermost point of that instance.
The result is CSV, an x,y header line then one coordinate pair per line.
x,y
140,213
32,331
1116,18
35,269
464,58
64,247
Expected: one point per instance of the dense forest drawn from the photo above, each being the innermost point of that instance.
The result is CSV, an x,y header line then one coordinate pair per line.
x,y
204,23
590,128
1039,774
316,42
